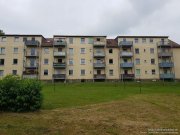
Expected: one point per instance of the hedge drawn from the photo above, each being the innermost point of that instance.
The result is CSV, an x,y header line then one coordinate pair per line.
x,y
20,95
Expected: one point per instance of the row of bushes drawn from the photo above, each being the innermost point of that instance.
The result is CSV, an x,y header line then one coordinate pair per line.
x,y
20,95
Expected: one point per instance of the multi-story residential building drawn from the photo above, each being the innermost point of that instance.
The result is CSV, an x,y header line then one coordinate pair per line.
x,y
89,58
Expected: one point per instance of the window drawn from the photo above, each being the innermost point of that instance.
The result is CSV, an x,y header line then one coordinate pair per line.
x,y
14,72
1,62
98,39
144,40
152,50
82,72
151,40
45,72
24,39
111,72
15,50
2,50
33,38
137,61
124,39
71,72
3,39
137,50
90,40
153,71
46,50
110,50
138,71
71,62
110,61
1,72
82,50
82,40
136,40
71,51
152,61
46,61
71,40
146,72
15,61
82,61
16,39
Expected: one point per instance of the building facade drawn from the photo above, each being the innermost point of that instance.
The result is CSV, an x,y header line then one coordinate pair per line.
x,y
89,58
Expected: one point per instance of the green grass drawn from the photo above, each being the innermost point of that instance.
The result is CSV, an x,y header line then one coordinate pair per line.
x,y
79,94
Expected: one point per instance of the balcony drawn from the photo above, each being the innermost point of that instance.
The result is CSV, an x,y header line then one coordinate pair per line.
x,y
167,76
100,76
60,43
31,43
127,65
32,54
127,76
126,54
59,76
166,64
31,76
31,66
164,44
59,54
99,44
59,65
99,65
126,44
165,54
99,54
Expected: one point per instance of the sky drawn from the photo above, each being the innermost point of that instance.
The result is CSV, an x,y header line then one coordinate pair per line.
x,y
91,17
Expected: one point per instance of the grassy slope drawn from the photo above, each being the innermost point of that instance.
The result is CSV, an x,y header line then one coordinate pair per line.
x,y
70,95
123,111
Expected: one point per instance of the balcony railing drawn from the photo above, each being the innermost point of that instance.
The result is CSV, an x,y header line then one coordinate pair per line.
x,y
59,65
60,43
99,65
32,66
61,54
30,72
166,64
126,54
126,44
167,76
30,76
127,65
165,54
32,54
59,76
99,44
100,76
127,76
164,44
31,43
99,54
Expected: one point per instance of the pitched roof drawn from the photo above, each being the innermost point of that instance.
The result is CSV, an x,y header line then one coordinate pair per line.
x,y
174,44
112,43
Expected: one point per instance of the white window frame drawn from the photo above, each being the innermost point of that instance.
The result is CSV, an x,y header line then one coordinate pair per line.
x,y
71,62
83,50
83,61
84,72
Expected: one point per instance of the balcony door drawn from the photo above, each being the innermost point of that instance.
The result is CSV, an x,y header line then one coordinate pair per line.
x,y
125,72
59,49
60,61
32,62
98,72
33,51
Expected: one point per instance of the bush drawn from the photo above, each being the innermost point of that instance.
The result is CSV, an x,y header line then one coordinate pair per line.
x,y
20,95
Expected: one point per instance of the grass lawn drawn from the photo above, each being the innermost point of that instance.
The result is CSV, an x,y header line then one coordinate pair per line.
x,y
99,108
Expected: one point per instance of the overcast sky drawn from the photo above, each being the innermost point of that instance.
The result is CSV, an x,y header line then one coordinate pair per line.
x,y
91,17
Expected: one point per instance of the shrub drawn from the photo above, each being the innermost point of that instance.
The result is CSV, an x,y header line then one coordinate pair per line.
x,y
20,95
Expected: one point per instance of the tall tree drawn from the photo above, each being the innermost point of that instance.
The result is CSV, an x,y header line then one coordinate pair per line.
x,y
1,32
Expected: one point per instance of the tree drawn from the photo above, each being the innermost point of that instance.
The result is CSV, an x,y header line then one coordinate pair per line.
x,y
1,32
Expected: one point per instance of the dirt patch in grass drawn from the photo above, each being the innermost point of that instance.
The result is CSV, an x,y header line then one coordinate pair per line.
x,y
130,116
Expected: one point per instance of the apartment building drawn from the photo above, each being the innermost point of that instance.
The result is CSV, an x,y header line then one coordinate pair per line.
x,y
89,58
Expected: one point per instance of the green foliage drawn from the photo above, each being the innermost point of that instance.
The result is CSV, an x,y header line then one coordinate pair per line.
x,y
19,95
